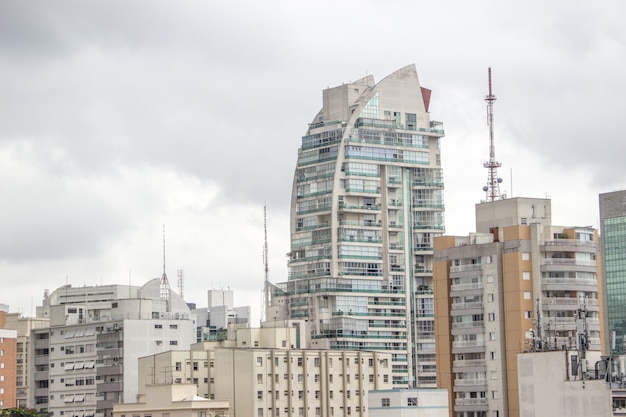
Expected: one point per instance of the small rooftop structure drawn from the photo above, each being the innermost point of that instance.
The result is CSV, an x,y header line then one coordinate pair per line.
x,y
175,400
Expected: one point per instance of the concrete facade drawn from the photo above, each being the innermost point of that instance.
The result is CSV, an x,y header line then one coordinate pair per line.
x,y
23,326
262,374
175,400
8,368
408,403
367,202
272,382
97,335
547,388
516,284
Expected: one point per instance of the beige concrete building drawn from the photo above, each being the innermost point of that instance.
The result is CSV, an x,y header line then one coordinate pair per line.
x,y
173,400
272,382
262,374
515,284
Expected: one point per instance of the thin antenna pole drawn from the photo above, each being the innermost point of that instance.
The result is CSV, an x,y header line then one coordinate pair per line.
x,y
266,286
165,285
265,248
492,189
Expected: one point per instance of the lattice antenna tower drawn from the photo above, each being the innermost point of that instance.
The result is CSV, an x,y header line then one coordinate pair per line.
x,y
266,284
492,189
181,283
165,285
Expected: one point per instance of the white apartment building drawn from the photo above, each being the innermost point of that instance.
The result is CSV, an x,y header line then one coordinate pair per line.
x,y
97,335
367,202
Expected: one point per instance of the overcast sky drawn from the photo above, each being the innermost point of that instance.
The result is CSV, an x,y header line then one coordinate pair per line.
x,y
119,117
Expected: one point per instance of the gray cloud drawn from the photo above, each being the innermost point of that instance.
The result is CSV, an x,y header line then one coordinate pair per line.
x,y
117,117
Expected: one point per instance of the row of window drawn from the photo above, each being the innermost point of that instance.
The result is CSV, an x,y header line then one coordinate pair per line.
x,y
316,393
410,402
318,411
160,326
300,377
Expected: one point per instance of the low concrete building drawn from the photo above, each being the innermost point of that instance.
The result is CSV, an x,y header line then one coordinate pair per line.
x,y
261,374
172,400
549,386
428,402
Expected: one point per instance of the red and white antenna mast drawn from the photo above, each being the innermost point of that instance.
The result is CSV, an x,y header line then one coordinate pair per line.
x,y
492,189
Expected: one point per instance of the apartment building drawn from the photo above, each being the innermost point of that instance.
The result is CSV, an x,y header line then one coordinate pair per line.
x,y
274,382
39,352
23,326
97,334
518,283
262,374
8,361
367,202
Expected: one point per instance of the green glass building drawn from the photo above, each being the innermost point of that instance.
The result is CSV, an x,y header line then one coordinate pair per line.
x,y
613,229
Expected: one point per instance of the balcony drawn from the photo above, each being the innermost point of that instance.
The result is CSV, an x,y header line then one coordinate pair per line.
x,y
470,383
41,375
361,239
468,325
312,227
468,343
463,268
470,401
367,207
110,370
467,306
110,387
361,224
465,287
469,363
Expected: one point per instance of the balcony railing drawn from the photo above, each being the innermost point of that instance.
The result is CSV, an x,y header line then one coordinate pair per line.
x,y
463,268
467,306
469,286
468,343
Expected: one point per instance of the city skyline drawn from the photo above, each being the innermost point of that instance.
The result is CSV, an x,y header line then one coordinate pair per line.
x,y
112,129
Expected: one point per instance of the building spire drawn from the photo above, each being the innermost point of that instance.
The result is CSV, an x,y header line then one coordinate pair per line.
x,y
492,189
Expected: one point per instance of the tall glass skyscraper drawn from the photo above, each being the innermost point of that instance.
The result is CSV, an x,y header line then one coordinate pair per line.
x,y
613,229
367,202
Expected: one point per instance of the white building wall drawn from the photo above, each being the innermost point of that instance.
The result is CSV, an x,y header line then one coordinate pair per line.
x,y
141,338
545,391
408,403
